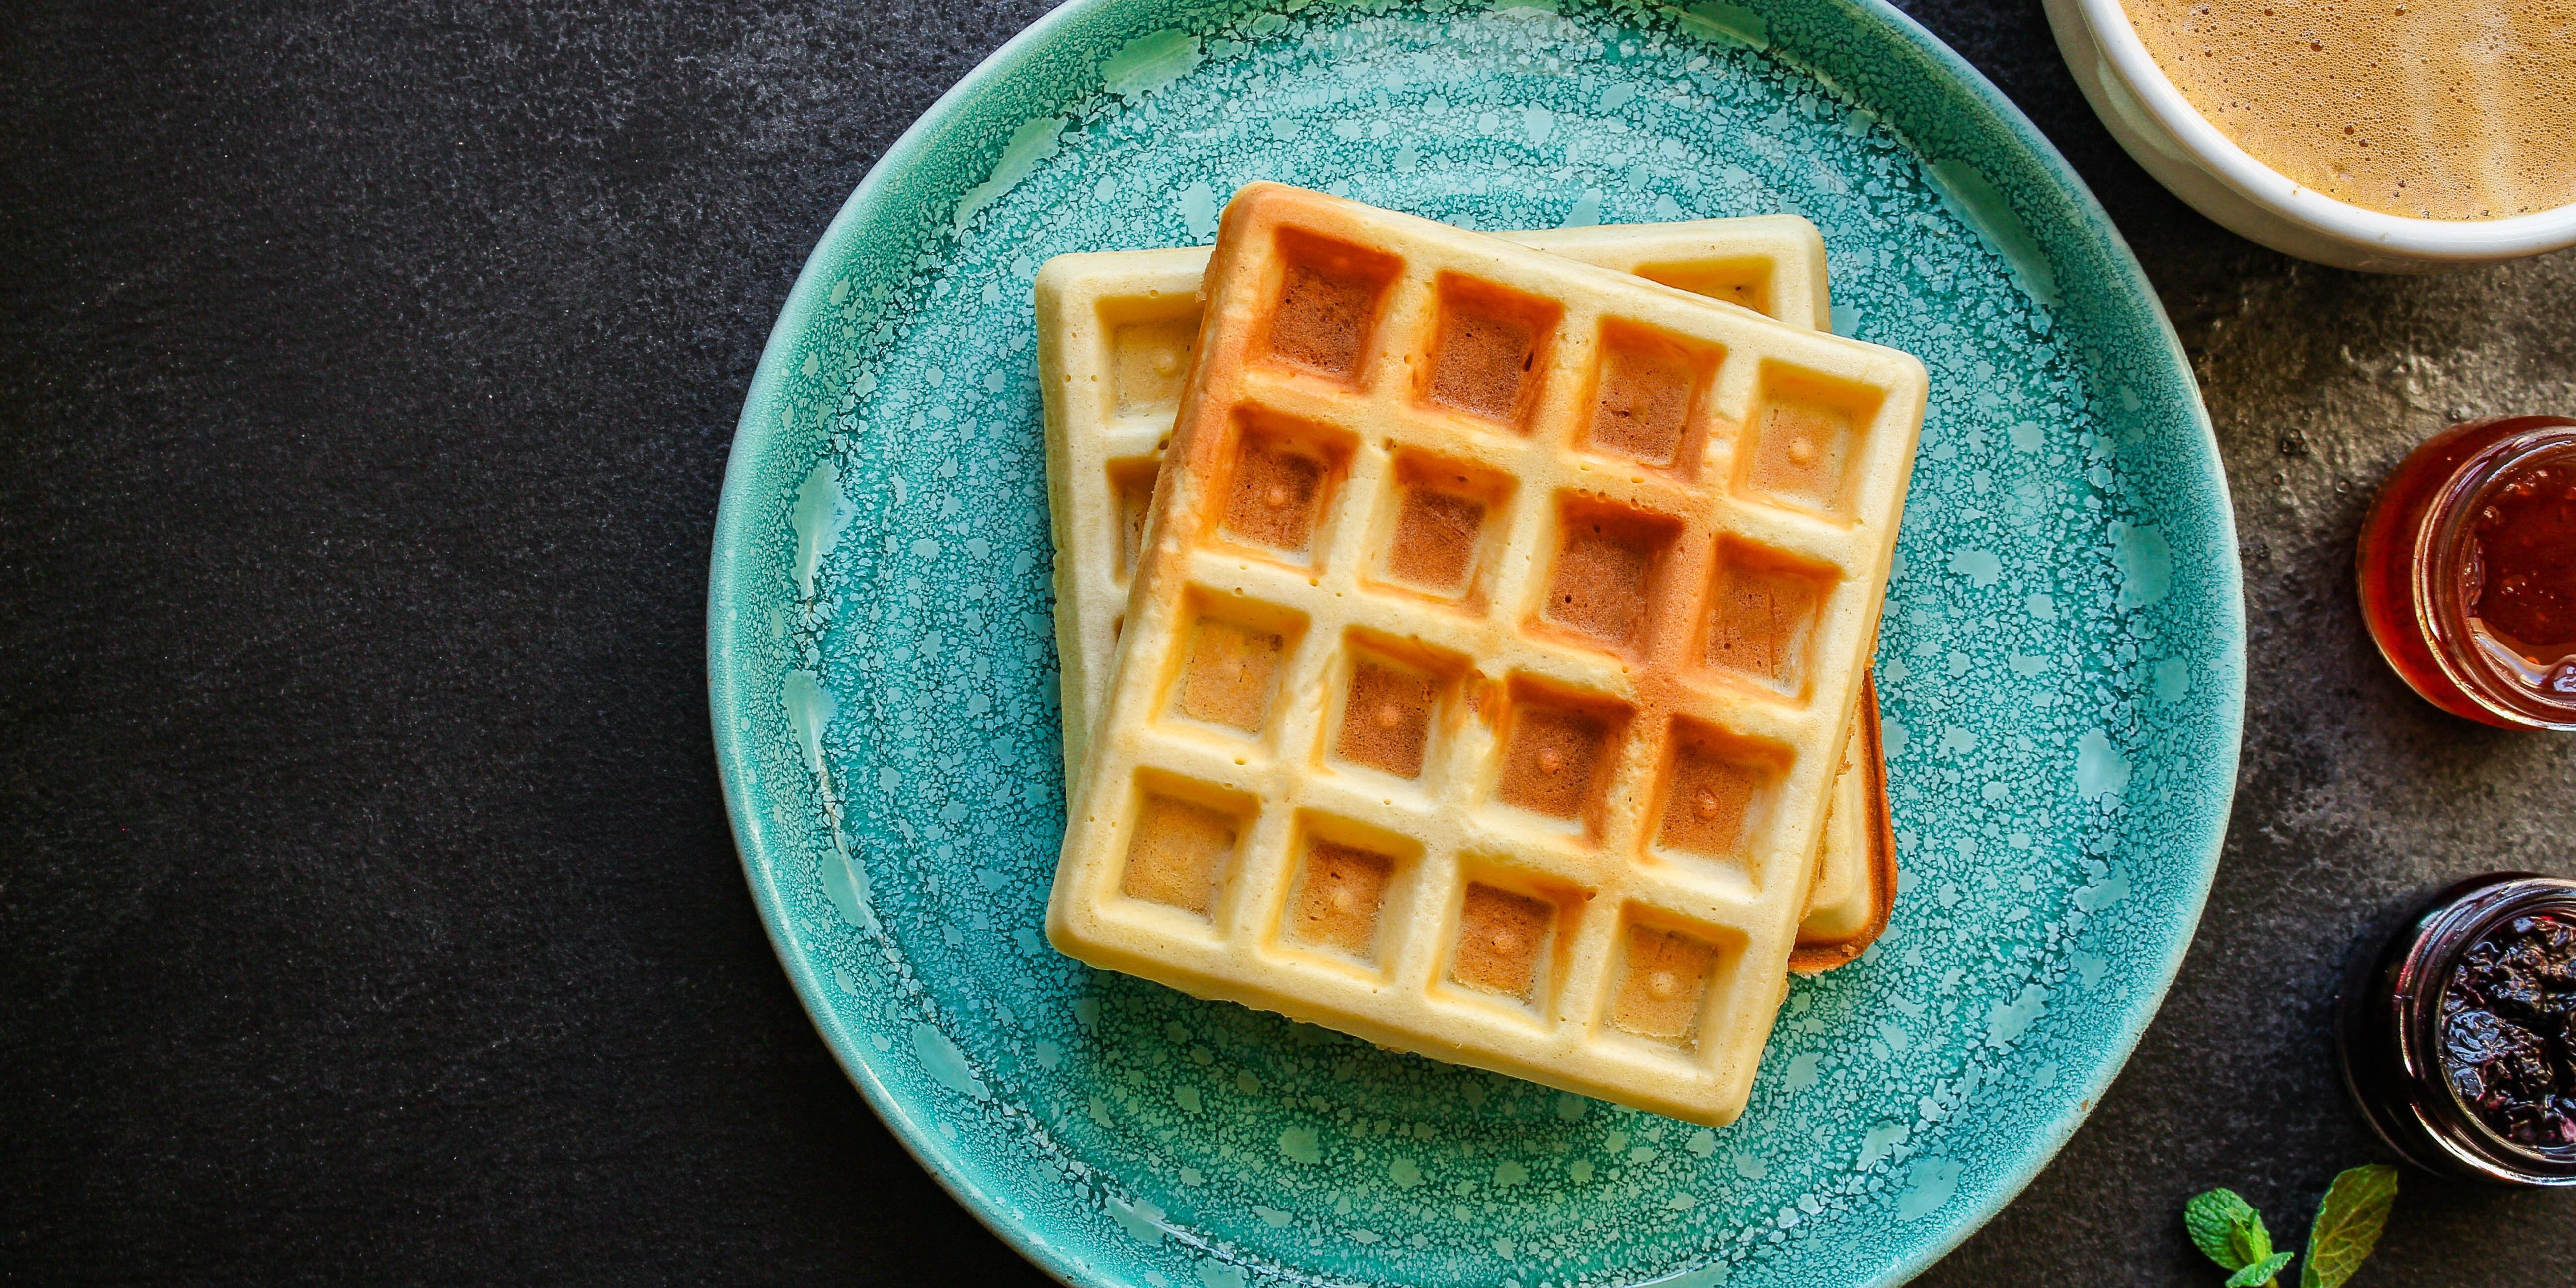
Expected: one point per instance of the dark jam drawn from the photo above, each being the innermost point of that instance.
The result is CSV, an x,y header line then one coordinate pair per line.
x,y
2467,571
2454,1035
2507,1042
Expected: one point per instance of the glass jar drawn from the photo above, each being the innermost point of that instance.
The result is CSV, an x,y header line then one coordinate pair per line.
x,y
2467,571
2397,1058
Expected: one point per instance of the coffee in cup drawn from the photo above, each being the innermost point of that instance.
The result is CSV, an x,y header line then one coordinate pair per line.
x,y
2438,109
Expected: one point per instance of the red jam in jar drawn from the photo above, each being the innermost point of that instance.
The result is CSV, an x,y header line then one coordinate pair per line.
x,y
2468,571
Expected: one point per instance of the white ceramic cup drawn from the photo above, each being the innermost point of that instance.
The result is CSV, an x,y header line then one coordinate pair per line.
x,y
2202,166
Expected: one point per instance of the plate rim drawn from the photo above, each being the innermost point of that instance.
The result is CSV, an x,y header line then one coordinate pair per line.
x,y
757,427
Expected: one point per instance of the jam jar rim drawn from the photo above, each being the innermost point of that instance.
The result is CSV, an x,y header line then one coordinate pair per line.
x,y
2441,548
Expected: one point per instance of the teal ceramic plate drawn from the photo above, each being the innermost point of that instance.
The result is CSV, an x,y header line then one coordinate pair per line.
x,y
2061,660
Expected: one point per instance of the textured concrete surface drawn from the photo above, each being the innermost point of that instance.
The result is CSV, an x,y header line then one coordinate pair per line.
x,y
367,912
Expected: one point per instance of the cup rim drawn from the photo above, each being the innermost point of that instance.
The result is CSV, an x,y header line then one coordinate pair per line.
x,y
2465,240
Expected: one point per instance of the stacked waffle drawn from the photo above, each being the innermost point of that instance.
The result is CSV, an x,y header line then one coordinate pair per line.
x,y
1465,639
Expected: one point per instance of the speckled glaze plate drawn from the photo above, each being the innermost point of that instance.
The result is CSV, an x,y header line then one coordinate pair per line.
x,y
2062,658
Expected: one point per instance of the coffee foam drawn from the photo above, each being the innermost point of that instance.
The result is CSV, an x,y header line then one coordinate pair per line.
x,y
2439,109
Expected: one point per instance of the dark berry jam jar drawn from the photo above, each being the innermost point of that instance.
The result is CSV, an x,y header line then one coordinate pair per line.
x,y
2467,571
2459,1038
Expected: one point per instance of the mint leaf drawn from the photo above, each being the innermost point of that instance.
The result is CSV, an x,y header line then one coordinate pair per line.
x,y
2227,1228
2212,1218
2252,1242
2348,1223
2261,1272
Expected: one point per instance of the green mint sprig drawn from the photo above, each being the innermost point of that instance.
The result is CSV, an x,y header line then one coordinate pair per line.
x,y
2229,1229
2349,1221
2261,1272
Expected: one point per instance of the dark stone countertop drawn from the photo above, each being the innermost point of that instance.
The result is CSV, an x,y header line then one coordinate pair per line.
x,y
367,908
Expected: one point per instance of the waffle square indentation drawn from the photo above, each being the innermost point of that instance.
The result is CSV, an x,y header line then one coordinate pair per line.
x,y
1743,279
1329,299
1645,397
1608,573
1559,751
1181,852
1806,433
1759,620
1131,486
1438,528
1435,541
1229,670
1280,483
1387,712
1489,350
1663,982
1149,361
1717,793
1506,942
1338,903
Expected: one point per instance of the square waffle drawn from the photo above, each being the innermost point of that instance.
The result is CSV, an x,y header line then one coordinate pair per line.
x,y
1497,629
1115,332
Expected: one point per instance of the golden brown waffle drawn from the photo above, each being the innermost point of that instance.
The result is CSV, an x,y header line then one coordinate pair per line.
x,y
1115,332
1498,626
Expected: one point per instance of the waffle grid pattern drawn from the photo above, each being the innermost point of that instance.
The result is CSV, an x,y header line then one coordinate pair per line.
x,y
1593,876
1117,328
1115,333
